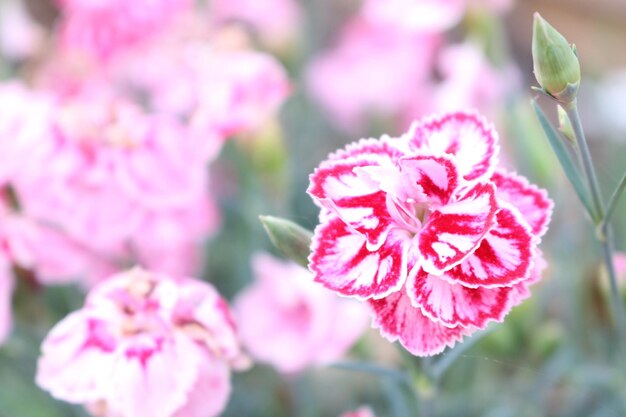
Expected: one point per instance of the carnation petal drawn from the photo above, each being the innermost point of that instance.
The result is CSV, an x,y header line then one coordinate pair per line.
x,y
452,232
356,199
531,201
437,176
398,320
466,135
76,358
453,304
341,261
503,258
143,383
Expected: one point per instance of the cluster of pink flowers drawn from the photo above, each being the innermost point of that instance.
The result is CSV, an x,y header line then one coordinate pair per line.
x,y
104,154
290,322
428,230
144,345
382,65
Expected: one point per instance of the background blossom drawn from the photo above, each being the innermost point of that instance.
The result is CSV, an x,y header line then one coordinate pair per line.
x,y
117,353
291,323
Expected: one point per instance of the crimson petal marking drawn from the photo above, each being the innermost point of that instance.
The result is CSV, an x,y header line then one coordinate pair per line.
x,y
503,258
341,261
466,135
398,320
452,232
453,304
530,200
357,200
437,176
382,146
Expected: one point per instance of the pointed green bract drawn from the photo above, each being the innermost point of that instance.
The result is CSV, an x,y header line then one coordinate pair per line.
x,y
291,239
555,62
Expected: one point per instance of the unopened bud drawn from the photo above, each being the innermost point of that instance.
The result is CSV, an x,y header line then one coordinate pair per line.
x,y
290,239
555,62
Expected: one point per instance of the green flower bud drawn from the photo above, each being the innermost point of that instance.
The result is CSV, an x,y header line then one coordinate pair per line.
x,y
290,239
555,62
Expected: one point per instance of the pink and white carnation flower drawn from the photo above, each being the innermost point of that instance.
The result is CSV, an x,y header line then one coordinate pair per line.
x,y
289,322
428,231
144,345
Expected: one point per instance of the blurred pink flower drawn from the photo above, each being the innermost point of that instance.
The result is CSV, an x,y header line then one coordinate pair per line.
x,y
144,345
25,118
361,412
427,231
479,85
373,70
619,263
291,323
104,184
422,15
239,91
101,28
276,22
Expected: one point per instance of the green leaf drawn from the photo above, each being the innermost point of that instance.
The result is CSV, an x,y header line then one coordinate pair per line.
x,y
614,199
564,157
291,239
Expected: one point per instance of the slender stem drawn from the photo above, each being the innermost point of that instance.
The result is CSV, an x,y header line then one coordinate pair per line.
x,y
606,234
614,199
585,155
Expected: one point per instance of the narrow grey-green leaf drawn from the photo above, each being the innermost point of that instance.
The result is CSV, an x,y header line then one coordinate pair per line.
x,y
614,199
291,239
565,159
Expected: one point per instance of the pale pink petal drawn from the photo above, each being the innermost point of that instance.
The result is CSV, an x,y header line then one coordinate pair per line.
x,y
503,258
77,357
398,320
467,136
436,176
209,395
341,261
531,201
152,376
207,319
452,232
355,198
453,304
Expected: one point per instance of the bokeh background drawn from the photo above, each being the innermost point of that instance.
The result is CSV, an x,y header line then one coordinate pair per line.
x,y
553,355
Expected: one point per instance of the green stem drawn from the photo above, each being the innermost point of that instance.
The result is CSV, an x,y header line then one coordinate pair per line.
x,y
585,155
605,237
